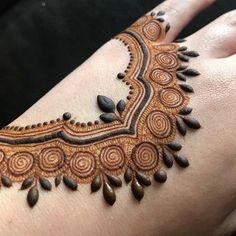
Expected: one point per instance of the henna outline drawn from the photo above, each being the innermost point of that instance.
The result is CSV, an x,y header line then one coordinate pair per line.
x,y
54,149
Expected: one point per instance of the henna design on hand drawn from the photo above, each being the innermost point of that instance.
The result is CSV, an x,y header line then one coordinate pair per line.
x,y
133,137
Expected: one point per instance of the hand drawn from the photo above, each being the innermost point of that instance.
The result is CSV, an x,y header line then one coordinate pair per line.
x,y
198,200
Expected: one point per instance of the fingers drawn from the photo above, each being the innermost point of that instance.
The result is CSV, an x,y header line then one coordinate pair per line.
x,y
179,13
216,40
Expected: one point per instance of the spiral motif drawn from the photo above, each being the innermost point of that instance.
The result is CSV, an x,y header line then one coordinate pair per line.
x,y
2,155
167,60
112,157
152,30
82,164
161,77
51,159
145,156
167,47
140,21
171,97
159,124
20,163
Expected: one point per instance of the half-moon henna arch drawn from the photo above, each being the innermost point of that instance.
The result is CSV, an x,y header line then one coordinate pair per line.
x,y
134,138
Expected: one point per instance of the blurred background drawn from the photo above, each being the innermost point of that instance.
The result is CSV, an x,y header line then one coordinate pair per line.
x,y
42,41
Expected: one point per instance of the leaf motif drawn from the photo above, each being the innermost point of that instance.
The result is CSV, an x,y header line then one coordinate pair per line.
x,y
121,106
167,158
137,189
27,183
114,180
167,27
128,175
181,126
70,183
183,48
33,196
191,53
183,57
153,14
96,183
109,193
180,40
160,176
191,122
108,117
182,67
175,146
160,19
187,88
6,181
191,72
180,76
45,184
58,180
105,103
143,179
161,13
185,111
181,161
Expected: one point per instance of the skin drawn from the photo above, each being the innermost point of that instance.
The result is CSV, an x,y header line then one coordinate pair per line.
x,y
200,200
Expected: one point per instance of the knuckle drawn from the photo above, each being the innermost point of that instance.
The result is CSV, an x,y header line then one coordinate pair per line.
x,y
230,18
169,7
174,6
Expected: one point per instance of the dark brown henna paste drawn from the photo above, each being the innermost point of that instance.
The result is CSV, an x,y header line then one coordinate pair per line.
x,y
135,137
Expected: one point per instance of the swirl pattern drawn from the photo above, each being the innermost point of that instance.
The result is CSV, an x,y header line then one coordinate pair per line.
x,y
152,30
159,124
167,60
51,159
161,77
2,155
82,164
140,21
112,157
20,163
171,97
145,156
